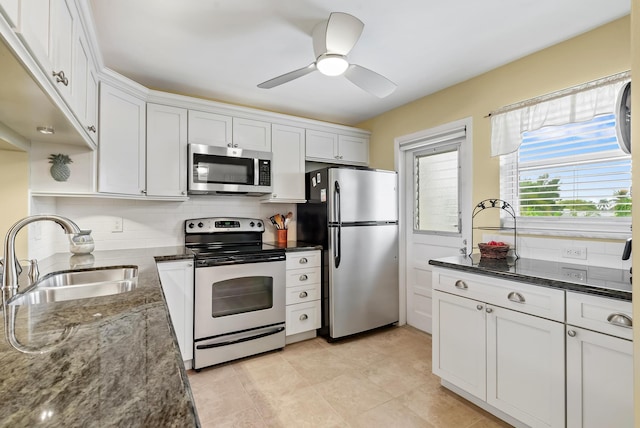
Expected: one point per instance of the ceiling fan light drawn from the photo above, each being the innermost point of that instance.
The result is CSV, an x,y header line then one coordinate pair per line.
x,y
332,64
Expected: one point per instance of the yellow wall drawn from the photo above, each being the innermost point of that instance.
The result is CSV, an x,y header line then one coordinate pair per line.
x,y
635,148
14,190
601,52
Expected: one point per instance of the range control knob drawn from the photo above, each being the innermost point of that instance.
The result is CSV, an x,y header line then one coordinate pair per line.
x,y
191,225
259,224
201,224
252,224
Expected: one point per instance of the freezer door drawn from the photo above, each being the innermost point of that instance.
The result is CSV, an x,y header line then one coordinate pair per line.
x,y
357,195
363,289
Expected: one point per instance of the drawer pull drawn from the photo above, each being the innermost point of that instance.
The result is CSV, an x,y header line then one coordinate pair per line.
x,y
489,310
303,277
516,297
620,320
461,284
303,260
303,295
303,317
571,333
479,307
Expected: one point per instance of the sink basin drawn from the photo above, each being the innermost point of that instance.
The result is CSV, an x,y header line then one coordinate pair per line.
x,y
79,284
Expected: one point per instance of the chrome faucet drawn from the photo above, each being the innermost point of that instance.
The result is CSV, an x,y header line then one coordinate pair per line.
x,y
10,267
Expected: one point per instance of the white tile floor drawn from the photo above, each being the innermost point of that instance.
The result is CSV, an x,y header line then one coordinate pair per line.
x,y
381,379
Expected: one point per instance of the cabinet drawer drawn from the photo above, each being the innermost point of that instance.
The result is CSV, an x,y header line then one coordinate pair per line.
x,y
304,259
297,277
303,317
303,293
527,298
599,314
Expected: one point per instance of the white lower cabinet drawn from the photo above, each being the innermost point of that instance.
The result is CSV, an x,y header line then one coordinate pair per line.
x,y
599,365
177,284
303,295
512,362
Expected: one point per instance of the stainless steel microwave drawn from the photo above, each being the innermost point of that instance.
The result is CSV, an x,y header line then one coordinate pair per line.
x,y
228,170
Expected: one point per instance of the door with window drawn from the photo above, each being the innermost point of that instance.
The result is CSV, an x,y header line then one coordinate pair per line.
x,y
435,202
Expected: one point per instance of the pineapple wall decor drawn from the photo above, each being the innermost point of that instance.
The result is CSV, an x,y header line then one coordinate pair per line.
x,y
59,170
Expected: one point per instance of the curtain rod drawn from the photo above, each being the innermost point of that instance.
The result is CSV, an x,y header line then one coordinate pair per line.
x,y
563,92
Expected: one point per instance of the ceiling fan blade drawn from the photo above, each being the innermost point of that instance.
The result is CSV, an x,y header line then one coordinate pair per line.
x,y
337,35
370,81
287,77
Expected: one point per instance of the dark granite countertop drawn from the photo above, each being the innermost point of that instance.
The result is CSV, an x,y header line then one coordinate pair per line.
x,y
292,246
120,366
607,282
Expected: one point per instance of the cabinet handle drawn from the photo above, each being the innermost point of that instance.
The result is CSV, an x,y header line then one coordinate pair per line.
x,y
229,145
571,333
303,295
489,310
303,260
144,192
60,77
621,320
303,317
92,128
461,284
303,277
235,145
516,297
479,307
190,265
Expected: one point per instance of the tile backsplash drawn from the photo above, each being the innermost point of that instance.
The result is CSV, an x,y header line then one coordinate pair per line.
x,y
142,223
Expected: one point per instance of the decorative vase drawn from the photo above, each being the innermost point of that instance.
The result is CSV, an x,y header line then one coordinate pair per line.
x,y
59,169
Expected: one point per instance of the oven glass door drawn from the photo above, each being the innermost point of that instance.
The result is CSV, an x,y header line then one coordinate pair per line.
x,y
231,298
214,169
240,295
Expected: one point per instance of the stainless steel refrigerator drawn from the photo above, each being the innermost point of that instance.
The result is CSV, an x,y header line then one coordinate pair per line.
x,y
353,214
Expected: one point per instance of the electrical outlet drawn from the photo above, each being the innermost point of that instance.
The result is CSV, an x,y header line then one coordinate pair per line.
x,y
117,225
576,275
575,253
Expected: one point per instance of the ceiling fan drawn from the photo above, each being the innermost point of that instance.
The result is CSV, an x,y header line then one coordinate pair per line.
x,y
332,41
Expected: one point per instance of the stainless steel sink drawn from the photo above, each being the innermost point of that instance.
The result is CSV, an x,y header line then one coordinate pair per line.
x,y
79,284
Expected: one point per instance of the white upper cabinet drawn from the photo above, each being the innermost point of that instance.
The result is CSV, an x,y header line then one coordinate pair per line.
x,y
209,128
11,10
85,86
34,28
337,148
166,151
288,150
121,152
251,134
61,41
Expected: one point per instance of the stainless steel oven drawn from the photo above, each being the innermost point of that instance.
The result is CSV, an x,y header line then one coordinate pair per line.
x,y
239,299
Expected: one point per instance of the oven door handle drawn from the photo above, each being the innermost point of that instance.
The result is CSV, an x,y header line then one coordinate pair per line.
x,y
240,340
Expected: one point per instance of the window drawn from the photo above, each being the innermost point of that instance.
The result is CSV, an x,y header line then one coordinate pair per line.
x,y
437,205
570,178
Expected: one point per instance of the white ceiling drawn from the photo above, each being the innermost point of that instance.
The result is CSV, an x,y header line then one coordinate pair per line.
x,y
221,49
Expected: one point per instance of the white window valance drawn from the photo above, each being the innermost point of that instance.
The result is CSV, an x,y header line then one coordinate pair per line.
x,y
575,104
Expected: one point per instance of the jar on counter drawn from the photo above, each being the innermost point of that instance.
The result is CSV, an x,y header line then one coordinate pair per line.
x,y
81,243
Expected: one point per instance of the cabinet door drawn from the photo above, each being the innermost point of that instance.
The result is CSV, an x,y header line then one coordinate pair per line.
x,y
166,150
92,102
525,367
82,59
251,134
61,42
10,9
121,152
353,149
288,149
459,349
321,145
209,128
599,380
177,284
34,29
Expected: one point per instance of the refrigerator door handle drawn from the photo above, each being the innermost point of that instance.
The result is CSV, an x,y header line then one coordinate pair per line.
x,y
336,203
